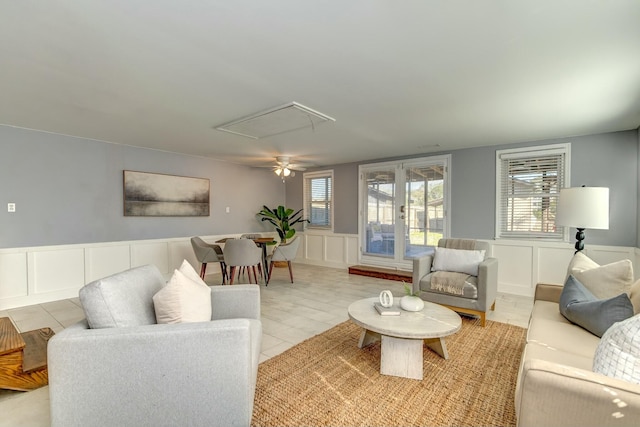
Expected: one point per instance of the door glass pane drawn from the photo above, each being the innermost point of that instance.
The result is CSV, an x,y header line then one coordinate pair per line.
x,y
380,212
424,209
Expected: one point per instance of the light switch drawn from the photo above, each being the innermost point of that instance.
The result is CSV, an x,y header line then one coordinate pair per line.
x,y
11,207
227,209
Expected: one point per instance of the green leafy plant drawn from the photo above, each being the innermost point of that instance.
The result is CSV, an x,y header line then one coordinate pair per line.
x,y
409,290
283,219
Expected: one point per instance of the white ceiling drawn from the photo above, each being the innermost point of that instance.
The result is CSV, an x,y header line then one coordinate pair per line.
x,y
400,77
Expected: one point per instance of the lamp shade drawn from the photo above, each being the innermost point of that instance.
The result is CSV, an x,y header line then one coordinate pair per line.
x,y
583,207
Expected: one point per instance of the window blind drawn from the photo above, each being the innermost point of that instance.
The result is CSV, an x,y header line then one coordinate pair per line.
x,y
318,203
530,185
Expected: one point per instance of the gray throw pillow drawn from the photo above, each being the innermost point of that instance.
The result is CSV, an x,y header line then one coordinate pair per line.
x,y
595,315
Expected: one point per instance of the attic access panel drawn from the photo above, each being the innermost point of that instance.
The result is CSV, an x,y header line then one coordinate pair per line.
x,y
286,118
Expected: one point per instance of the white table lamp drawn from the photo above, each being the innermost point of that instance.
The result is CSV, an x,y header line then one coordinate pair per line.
x,y
583,207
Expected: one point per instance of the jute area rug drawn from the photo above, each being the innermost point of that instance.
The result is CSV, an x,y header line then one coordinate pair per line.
x,y
328,381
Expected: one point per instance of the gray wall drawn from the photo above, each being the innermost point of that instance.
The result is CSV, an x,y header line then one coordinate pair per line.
x,y
608,160
69,190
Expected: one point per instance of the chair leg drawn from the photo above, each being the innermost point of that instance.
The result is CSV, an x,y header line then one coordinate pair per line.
x,y
203,270
233,273
270,271
290,272
255,276
223,270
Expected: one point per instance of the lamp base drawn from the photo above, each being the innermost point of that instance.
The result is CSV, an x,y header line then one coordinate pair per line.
x,y
579,240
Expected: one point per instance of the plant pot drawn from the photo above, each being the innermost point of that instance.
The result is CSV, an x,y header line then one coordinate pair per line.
x,y
411,303
280,264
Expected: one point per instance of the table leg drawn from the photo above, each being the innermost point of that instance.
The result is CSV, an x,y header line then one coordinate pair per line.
x,y
265,271
438,345
368,337
401,357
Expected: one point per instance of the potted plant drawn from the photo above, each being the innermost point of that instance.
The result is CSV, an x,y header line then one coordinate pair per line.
x,y
283,219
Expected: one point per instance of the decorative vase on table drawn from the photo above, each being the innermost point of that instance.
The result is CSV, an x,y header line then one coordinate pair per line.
x,y
411,303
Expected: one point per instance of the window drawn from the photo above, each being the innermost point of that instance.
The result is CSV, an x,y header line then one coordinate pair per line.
x,y
528,184
318,196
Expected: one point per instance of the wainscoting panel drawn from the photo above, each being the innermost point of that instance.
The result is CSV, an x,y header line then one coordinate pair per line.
x,y
13,275
552,264
314,248
151,253
103,261
56,270
334,249
41,274
515,268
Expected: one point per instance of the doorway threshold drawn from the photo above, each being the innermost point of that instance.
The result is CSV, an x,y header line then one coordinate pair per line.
x,y
382,273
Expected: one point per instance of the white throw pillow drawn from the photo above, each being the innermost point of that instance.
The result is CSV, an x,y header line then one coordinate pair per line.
x,y
618,353
182,300
603,281
187,269
458,260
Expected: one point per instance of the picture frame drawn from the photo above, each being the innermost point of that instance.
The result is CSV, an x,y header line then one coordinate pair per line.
x,y
155,194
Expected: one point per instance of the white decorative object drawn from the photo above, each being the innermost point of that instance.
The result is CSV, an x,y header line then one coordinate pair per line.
x,y
386,298
411,303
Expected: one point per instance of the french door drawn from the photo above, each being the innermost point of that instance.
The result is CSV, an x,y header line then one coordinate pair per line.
x,y
403,210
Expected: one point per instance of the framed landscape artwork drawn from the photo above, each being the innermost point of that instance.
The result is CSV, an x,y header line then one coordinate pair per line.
x,y
153,194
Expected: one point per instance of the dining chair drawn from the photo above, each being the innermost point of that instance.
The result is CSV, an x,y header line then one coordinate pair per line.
x,y
251,236
242,253
208,252
285,252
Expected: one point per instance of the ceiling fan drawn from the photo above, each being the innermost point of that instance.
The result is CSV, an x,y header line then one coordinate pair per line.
x,y
285,168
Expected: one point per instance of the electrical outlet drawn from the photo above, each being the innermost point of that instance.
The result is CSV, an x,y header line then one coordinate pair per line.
x,y
11,207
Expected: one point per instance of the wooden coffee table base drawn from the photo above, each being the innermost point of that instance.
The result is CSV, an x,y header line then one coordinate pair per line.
x,y
402,357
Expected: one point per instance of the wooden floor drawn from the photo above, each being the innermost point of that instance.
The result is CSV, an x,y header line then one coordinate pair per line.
x,y
381,273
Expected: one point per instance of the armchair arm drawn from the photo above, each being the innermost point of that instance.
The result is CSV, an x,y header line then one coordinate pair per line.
x,y
548,292
487,282
237,301
551,394
421,267
178,374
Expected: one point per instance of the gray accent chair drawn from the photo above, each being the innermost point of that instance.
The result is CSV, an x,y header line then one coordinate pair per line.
x,y
206,253
480,292
285,253
129,371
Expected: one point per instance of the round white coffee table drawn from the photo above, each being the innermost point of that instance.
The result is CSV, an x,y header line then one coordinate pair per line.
x,y
402,336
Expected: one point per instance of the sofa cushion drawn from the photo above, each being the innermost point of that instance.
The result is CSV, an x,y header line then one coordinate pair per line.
x,y
458,260
603,281
595,315
183,300
123,299
618,354
549,328
550,354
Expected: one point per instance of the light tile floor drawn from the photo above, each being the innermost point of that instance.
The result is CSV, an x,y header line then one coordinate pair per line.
x,y
291,313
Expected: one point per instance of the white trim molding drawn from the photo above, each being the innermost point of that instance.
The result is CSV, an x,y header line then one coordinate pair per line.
x,y
35,275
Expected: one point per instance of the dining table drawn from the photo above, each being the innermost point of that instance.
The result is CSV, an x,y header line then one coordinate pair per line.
x,y
262,242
